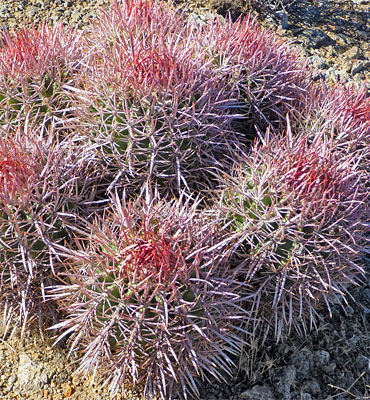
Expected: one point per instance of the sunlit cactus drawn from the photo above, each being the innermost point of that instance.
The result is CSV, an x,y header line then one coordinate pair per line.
x,y
151,99
298,219
149,303
36,66
269,79
342,115
41,194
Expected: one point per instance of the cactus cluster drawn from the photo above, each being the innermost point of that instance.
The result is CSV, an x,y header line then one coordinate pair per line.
x,y
168,187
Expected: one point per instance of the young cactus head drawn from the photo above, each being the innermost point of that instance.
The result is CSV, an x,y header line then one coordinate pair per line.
x,y
298,218
149,304
341,114
39,195
35,66
268,78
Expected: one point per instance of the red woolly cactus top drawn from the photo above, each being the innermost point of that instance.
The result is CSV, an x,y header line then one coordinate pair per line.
x,y
16,169
32,53
151,254
311,174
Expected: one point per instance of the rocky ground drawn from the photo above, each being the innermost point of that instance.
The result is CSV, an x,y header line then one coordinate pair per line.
x,y
332,361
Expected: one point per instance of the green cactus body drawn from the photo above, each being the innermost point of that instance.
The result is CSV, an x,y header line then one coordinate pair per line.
x,y
23,229
38,98
148,144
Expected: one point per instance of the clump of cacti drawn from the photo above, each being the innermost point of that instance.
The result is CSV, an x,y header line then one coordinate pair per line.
x,y
245,226
149,302
298,217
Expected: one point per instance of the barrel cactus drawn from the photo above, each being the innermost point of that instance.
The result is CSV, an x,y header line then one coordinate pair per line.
x,y
268,78
298,218
40,195
149,303
149,98
341,114
36,66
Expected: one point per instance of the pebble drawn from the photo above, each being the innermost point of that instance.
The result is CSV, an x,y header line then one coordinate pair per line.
x,y
67,390
352,53
313,387
258,392
330,369
318,62
358,67
283,380
284,19
317,38
322,357
76,381
363,363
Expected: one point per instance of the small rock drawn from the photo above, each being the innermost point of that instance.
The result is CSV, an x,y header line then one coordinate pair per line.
x,y
317,38
318,62
67,389
352,53
303,362
312,387
283,16
12,379
358,67
322,357
257,393
76,381
363,363
283,380
330,369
